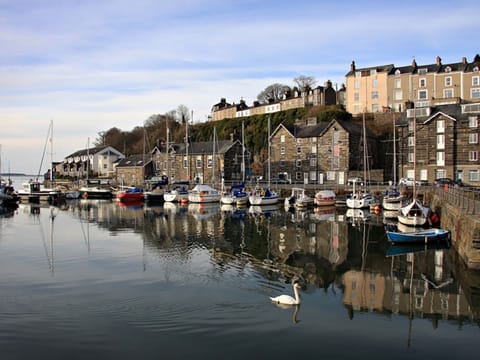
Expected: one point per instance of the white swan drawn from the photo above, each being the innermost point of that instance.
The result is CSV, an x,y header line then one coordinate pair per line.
x,y
287,299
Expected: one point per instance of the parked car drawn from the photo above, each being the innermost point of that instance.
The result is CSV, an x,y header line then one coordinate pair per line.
x,y
447,181
280,181
409,182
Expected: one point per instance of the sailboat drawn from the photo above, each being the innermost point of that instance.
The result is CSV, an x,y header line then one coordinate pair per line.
x,y
236,195
392,200
414,213
203,193
264,196
359,199
34,190
92,190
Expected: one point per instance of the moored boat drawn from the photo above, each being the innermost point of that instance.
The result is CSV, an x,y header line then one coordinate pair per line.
x,y
421,236
325,198
131,194
299,199
203,194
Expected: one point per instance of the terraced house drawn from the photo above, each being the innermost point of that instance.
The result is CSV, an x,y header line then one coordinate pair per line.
x,y
312,153
388,87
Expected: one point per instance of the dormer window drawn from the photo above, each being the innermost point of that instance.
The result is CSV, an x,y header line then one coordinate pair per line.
x,y
475,69
448,69
422,71
397,72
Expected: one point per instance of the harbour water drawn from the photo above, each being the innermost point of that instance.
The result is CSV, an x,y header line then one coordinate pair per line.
x,y
94,279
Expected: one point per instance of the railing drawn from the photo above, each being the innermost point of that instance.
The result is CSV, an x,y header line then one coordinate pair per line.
x,y
467,200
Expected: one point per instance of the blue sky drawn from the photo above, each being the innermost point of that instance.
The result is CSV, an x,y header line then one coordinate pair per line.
x,y
90,65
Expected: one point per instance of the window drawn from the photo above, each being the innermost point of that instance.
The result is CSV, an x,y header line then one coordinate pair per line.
x,y
298,163
313,175
475,93
105,166
397,95
410,157
473,138
448,69
358,74
356,96
422,95
198,162
422,82
313,162
422,71
299,149
410,126
375,83
298,176
375,108
440,126
209,161
440,141
356,108
448,93
474,175
397,72
448,81
472,122
373,72
410,141
185,162
357,84
374,95
282,150
440,158
282,163
282,138
475,81
473,155
397,84
314,149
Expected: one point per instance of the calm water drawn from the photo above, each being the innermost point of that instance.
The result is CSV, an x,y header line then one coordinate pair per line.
x,y
95,279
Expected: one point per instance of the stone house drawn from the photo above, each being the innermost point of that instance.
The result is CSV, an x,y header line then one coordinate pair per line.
x,y
201,162
445,141
312,153
133,170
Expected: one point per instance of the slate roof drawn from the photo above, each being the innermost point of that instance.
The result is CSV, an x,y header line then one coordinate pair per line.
x,y
134,160
204,147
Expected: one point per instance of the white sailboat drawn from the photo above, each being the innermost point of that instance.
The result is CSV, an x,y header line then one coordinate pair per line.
x,y
264,196
392,200
414,213
360,198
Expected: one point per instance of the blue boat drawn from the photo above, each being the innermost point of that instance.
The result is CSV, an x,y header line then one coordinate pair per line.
x,y
422,236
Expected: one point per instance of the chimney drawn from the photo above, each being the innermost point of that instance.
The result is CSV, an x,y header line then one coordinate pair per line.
x,y
414,63
439,61
464,60
352,66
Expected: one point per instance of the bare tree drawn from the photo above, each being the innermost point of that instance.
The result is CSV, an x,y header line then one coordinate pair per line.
x,y
305,82
272,92
183,114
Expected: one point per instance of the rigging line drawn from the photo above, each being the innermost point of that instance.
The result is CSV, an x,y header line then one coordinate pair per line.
x,y
44,149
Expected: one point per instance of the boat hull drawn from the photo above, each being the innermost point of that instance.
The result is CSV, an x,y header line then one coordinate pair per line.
x,y
423,236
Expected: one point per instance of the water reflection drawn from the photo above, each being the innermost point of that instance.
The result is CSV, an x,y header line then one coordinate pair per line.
x,y
323,248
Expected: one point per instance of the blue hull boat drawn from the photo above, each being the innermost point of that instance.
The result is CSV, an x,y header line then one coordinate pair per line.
x,y
422,236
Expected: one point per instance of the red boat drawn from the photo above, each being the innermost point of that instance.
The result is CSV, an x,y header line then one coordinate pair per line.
x,y
130,194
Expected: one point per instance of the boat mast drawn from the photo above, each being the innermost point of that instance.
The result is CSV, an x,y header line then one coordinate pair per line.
x,y
364,151
186,147
394,153
51,153
243,151
269,146
213,156
414,150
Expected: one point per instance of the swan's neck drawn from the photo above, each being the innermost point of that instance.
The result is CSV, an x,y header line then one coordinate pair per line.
x,y
297,296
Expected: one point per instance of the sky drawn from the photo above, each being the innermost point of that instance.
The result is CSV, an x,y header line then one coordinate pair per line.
x,y
87,66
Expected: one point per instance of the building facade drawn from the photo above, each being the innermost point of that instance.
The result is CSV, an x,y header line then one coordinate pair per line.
x,y
312,153
98,161
440,141
292,99
389,88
